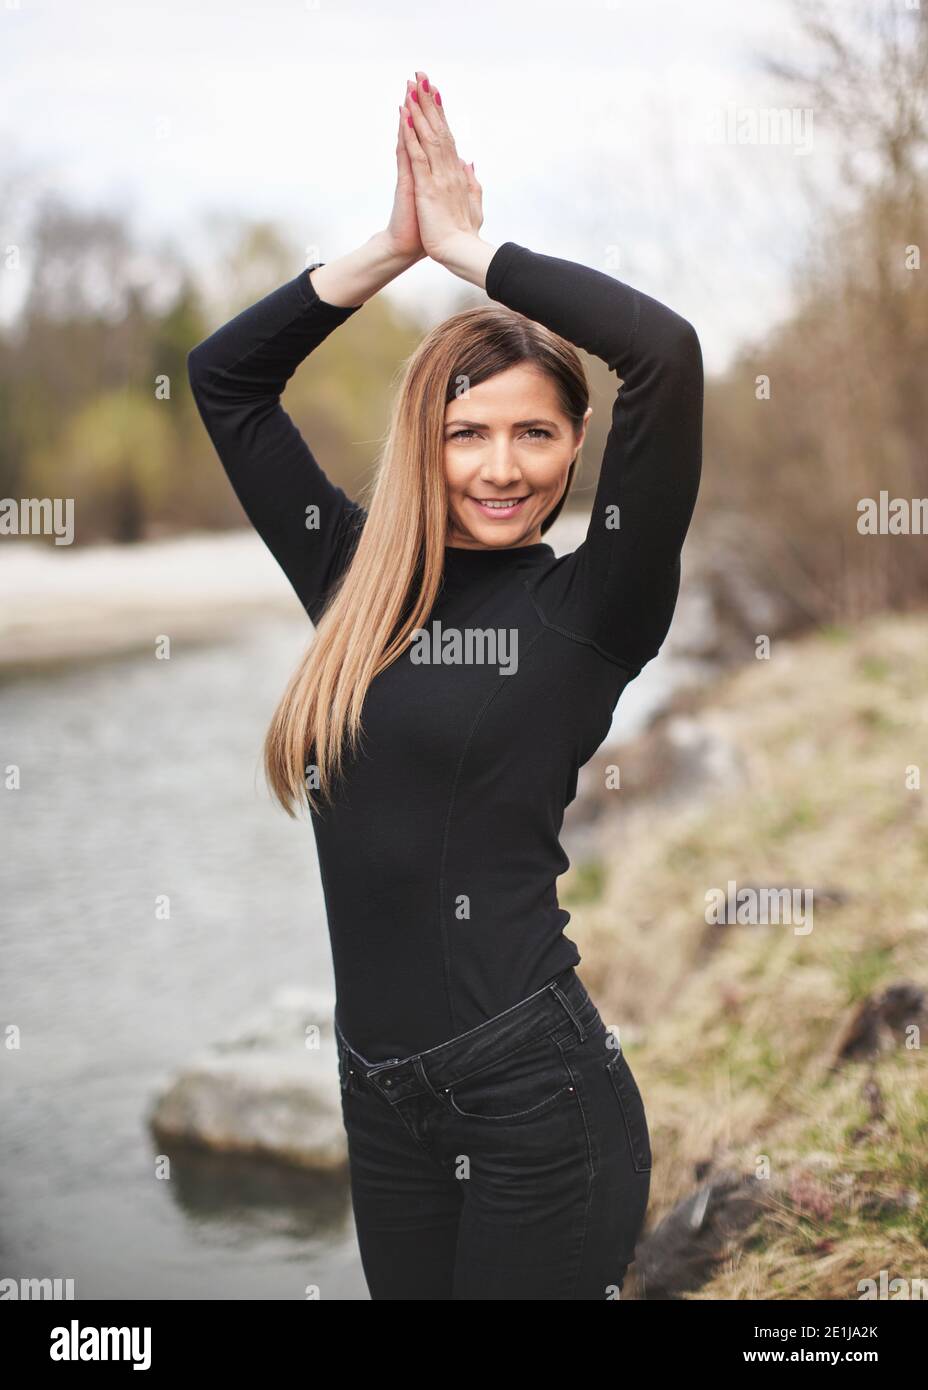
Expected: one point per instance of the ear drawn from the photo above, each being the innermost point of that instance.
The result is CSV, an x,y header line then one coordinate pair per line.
x,y
583,424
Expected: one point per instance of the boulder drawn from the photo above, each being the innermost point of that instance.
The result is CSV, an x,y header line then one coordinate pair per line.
x,y
271,1091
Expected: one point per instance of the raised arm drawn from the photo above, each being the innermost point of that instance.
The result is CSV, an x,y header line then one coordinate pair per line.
x,y
237,376
625,577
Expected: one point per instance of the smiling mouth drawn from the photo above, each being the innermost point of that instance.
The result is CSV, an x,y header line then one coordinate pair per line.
x,y
501,508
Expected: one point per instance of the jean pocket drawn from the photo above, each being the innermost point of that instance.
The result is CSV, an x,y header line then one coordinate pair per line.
x,y
516,1088
344,1065
633,1112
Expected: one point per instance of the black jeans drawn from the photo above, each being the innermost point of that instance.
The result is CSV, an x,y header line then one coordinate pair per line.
x,y
510,1162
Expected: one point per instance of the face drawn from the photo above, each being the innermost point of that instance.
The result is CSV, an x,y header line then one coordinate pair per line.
x,y
507,451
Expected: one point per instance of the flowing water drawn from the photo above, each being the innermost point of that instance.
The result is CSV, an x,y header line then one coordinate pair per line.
x,y
141,778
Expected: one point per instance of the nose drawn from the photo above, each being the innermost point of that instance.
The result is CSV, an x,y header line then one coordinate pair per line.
x,y
500,467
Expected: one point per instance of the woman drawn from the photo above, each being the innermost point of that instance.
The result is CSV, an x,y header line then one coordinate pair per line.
x,y
497,1141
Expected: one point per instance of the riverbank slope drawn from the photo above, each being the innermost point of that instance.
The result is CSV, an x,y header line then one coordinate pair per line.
x,y
780,1066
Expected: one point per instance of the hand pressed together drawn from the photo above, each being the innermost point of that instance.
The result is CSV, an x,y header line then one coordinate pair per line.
x,y
438,197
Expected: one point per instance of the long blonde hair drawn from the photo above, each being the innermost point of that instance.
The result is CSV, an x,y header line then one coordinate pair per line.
x,y
391,582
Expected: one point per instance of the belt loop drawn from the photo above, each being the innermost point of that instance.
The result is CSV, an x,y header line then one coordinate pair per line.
x,y
422,1074
556,989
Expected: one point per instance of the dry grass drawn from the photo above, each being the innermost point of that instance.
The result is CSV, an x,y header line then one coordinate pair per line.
x,y
730,1029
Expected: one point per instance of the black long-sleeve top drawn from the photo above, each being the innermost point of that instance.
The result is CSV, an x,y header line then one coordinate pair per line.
x,y
440,854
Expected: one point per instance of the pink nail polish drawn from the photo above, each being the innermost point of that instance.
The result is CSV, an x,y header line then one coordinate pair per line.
x,y
409,120
437,97
415,96
425,85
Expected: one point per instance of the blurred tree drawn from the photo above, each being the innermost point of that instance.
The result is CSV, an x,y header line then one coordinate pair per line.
x,y
110,459
847,416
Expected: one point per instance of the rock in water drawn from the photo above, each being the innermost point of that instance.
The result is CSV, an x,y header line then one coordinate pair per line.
x,y
272,1091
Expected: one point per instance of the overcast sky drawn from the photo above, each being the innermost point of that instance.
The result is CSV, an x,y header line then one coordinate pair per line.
x,y
589,124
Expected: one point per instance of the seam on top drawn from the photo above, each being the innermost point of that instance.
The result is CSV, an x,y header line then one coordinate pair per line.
x,y
612,549
447,832
578,637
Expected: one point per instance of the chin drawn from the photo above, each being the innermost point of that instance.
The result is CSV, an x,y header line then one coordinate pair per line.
x,y
499,536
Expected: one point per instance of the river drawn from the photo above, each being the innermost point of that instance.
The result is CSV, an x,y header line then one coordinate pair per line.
x,y
141,778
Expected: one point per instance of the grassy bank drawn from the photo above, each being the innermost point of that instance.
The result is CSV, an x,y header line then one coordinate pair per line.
x,y
761,1051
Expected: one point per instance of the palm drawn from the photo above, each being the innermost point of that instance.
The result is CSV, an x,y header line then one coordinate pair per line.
x,y
404,223
403,227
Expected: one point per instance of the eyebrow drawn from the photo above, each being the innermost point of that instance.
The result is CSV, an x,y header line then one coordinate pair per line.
x,y
517,424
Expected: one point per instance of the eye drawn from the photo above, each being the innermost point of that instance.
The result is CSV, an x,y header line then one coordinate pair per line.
x,y
536,430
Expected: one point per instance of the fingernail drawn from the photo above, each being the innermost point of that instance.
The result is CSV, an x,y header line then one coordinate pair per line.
x,y
437,97
415,96
409,120
425,85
